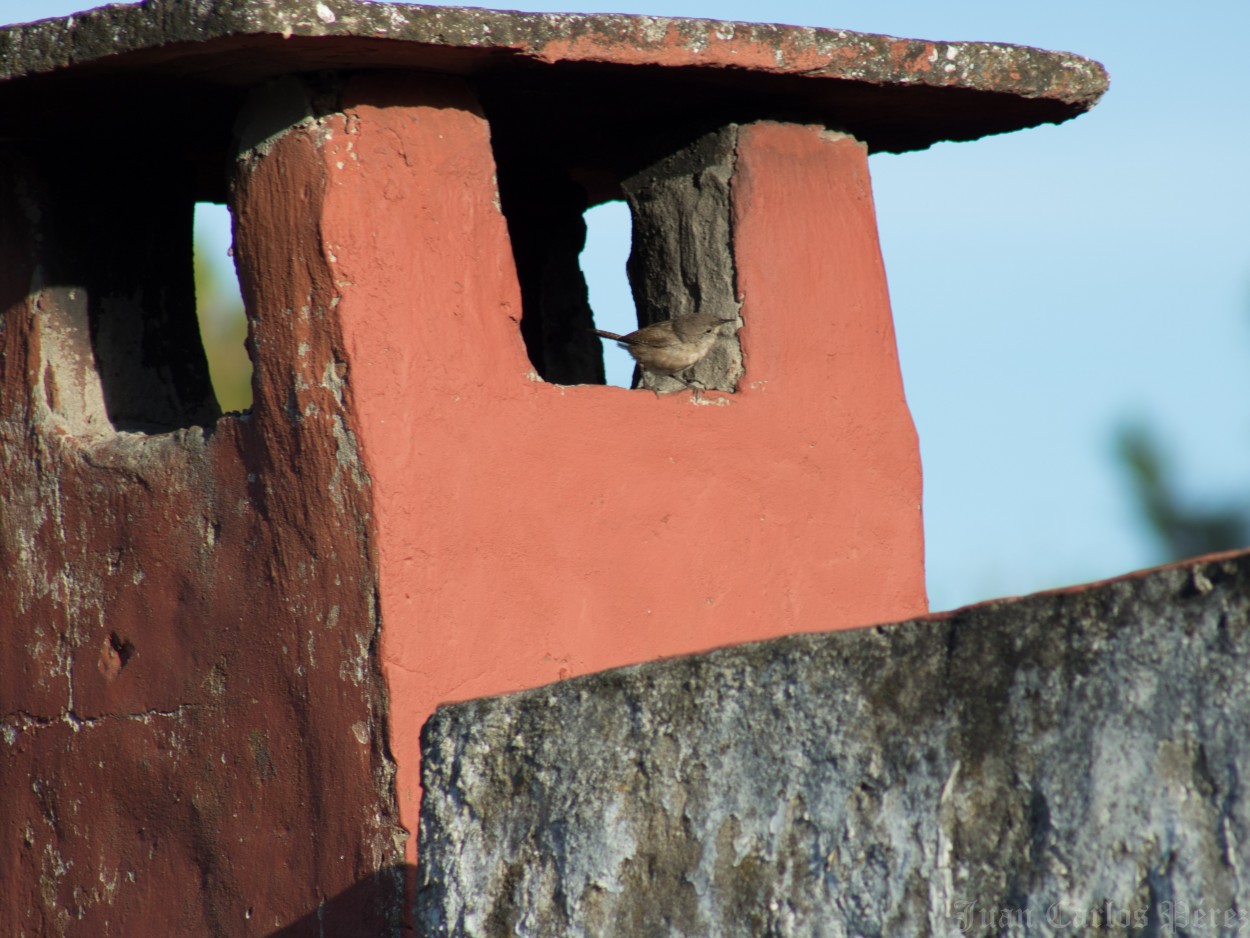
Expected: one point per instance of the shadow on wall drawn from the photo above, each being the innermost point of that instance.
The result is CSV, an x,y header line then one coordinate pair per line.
x,y
370,907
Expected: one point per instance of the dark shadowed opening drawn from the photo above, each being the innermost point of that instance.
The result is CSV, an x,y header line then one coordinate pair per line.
x,y
118,261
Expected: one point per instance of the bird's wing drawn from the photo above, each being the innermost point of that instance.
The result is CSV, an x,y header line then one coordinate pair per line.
x,y
656,335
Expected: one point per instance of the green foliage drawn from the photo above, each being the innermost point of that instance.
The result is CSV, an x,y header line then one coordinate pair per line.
x,y
223,330
1182,531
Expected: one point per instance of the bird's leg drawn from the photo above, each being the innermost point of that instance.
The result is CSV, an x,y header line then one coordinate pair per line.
x,y
692,384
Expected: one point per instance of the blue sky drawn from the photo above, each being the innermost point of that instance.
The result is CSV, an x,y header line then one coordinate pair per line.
x,y
1047,284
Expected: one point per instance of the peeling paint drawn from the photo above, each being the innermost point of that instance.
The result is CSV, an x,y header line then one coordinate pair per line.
x,y
147,582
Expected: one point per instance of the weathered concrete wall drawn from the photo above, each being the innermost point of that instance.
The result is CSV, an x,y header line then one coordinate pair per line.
x,y
1055,765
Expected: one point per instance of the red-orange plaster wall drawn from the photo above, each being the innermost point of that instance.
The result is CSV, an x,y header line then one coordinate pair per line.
x,y
529,532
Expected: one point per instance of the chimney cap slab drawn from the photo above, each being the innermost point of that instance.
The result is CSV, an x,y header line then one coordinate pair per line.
x,y
894,94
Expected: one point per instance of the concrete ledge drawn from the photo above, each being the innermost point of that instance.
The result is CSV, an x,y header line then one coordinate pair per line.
x,y
1057,761
895,94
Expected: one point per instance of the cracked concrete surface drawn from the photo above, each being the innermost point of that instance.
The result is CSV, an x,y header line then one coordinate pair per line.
x,y
1044,764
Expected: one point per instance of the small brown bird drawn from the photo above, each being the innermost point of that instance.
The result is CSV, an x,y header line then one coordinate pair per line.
x,y
671,346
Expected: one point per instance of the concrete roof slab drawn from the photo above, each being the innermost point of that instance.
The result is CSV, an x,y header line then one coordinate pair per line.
x,y
895,94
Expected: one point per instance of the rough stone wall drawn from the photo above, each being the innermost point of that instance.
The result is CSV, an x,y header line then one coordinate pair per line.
x,y
1068,763
192,721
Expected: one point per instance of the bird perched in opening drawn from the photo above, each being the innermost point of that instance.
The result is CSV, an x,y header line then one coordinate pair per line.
x,y
671,346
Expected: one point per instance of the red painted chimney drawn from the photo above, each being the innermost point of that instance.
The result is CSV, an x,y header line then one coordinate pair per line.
x,y
223,633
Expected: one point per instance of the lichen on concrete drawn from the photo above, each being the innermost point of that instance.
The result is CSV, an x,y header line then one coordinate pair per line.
x,y
1053,762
